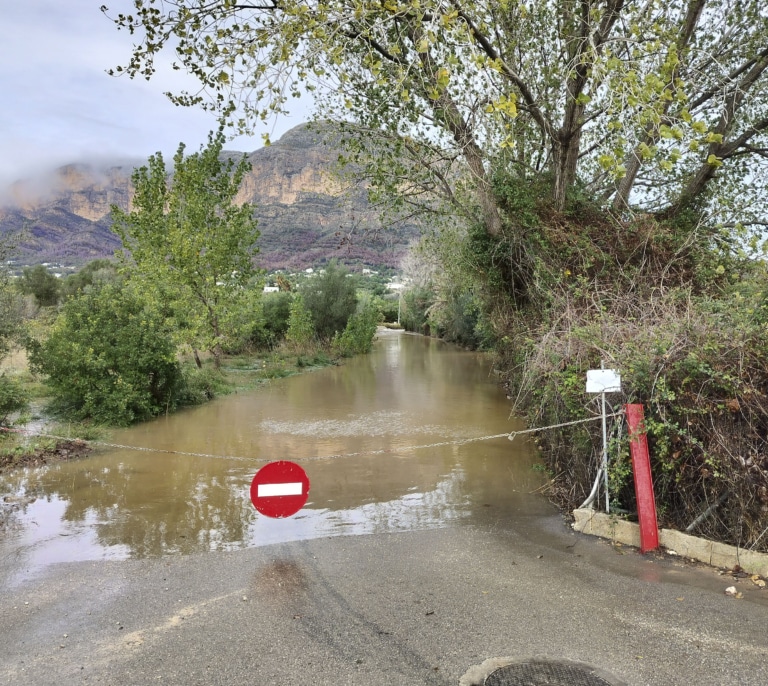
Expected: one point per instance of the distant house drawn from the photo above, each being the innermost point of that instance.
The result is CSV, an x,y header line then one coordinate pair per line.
x,y
271,289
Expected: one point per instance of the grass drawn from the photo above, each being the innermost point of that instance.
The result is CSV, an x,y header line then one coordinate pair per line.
x,y
246,371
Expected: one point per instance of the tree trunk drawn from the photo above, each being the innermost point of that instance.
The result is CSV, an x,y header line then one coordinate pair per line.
x,y
217,352
566,157
197,358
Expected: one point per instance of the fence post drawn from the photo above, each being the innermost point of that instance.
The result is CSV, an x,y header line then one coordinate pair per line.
x,y
641,468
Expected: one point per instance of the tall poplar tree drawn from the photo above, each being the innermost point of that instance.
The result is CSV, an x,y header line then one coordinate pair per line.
x,y
191,245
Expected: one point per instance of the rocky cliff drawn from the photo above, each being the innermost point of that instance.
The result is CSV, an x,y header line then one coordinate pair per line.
x,y
306,214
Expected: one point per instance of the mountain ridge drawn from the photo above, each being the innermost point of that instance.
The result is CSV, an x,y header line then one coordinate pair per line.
x,y
306,214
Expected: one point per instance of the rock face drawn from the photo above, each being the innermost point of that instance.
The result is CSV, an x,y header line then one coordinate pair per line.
x,y
306,214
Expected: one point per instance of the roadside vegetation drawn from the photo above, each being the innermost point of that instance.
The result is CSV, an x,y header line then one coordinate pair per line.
x,y
682,313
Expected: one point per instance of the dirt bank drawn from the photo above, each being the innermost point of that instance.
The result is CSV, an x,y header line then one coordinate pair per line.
x,y
63,450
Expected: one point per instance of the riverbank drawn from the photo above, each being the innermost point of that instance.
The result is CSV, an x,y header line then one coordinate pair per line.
x,y
21,447
60,451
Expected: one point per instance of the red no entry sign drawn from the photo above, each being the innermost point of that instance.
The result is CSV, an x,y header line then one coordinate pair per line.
x,y
279,489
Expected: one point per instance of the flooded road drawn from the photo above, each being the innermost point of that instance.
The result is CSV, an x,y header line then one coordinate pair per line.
x,y
164,574
382,439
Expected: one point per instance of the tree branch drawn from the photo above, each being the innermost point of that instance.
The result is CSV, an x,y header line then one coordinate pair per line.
x,y
521,85
734,146
635,161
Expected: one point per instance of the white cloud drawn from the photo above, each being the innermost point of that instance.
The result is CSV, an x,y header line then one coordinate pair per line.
x,y
60,106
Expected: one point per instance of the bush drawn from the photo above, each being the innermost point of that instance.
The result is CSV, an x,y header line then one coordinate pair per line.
x,y
39,282
413,312
331,298
699,365
13,398
458,321
200,386
274,326
389,309
301,331
109,358
357,337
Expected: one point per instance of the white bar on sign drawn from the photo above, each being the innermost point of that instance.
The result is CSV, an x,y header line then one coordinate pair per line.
x,y
267,490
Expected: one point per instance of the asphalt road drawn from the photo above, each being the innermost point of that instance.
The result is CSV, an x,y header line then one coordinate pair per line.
x,y
407,608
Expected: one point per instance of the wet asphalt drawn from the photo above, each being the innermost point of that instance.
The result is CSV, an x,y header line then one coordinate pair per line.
x,y
408,608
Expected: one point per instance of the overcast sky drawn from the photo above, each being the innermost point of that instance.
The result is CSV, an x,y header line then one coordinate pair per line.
x,y
60,106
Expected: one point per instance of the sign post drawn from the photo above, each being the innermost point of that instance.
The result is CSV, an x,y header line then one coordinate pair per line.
x,y
603,381
641,468
279,489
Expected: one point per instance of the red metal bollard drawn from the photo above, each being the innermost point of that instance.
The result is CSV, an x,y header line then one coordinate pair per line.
x,y
641,467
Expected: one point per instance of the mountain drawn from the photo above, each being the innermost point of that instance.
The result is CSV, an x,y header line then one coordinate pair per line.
x,y
306,215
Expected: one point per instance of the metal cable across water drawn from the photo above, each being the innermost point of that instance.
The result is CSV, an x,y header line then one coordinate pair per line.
x,y
511,435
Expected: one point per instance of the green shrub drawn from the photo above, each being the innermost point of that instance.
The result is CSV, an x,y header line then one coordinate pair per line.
x,y
13,398
276,312
200,386
389,309
109,358
40,283
331,298
699,366
300,331
413,315
357,337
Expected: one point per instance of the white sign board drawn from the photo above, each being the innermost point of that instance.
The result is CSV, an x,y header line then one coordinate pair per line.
x,y
603,381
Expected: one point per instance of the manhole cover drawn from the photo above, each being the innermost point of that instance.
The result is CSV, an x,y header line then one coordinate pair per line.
x,y
541,673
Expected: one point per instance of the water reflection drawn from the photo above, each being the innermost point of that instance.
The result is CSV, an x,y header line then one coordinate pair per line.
x,y
410,392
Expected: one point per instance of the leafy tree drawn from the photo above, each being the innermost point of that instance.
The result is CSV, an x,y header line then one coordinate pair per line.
x,y
12,395
357,337
331,297
11,310
649,106
276,313
301,330
191,246
109,357
96,272
389,307
414,311
39,282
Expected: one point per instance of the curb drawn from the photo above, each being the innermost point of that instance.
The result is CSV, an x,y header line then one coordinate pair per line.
x,y
709,552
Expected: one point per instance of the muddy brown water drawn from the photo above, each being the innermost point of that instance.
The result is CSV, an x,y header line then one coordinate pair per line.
x,y
359,430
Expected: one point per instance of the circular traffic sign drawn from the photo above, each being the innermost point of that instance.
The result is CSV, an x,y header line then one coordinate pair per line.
x,y
279,489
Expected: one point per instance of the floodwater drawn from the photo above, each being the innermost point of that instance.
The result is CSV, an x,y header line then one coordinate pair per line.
x,y
387,441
